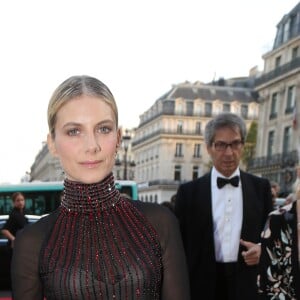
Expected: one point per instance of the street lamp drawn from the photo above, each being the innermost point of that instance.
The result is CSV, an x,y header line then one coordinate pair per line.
x,y
125,140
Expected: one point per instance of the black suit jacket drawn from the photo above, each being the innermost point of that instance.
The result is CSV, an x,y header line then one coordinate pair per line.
x,y
194,211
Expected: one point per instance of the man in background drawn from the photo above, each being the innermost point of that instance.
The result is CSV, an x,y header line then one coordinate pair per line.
x,y
221,216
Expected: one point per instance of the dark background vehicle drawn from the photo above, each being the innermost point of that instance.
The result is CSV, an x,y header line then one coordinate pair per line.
x,y
5,253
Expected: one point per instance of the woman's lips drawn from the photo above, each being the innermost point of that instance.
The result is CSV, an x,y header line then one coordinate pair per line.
x,y
91,164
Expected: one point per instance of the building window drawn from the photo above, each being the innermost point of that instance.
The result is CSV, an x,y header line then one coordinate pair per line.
x,y
287,137
277,62
131,174
118,175
208,109
189,108
271,143
178,151
226,107
195,172
286,31
290,103
279,36
295,51
293,26
197,150
198,127
273,112
179,127
177,173
244,111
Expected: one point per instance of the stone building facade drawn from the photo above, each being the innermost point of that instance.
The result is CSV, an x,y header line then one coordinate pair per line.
x,y
169,144
45,167
277,153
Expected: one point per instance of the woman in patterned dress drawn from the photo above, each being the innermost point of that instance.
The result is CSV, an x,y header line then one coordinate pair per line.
x,y
279,275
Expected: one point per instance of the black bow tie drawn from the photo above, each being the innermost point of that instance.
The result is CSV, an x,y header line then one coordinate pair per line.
x,y
233,181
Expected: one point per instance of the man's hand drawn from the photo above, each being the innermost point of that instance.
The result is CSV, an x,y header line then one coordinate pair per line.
x,y
252,254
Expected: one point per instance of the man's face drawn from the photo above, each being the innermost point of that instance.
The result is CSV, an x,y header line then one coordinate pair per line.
x,y
226,150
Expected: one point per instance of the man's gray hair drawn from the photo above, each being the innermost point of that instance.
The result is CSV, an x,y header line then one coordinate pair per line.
x,y
224,120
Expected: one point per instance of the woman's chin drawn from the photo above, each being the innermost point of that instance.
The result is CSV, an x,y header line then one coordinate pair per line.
x,y
88,178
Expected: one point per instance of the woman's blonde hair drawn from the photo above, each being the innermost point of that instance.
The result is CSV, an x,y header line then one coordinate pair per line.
x,y
74,87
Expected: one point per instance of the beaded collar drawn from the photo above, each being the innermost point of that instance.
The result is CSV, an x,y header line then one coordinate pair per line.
x,y
87,198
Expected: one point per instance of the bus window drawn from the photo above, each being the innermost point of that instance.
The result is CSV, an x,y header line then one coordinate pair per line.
x,y
128,187
40,197
44,197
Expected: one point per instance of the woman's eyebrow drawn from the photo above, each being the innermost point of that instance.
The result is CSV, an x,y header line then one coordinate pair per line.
x,y
110,121
71,124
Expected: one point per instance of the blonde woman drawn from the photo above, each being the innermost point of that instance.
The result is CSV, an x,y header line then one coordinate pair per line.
x,y
98,244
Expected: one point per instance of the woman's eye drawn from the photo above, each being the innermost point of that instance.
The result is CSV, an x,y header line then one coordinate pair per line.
x,y
104,129
73,132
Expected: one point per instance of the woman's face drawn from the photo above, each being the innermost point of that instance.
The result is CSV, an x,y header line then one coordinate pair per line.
x,y
86,139
19,202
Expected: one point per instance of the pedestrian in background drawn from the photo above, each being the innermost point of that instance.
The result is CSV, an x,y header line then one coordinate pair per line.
x,y
221,216
16,220
98,244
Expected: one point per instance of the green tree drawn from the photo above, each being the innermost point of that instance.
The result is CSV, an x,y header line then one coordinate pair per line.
x,y
250,143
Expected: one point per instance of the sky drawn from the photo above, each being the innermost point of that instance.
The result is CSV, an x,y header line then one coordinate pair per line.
x,y
138,48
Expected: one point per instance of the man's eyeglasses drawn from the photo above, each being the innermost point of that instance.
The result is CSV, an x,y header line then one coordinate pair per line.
x,y
222,146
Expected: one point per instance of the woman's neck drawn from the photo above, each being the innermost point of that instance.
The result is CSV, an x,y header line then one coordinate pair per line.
x,y
86,198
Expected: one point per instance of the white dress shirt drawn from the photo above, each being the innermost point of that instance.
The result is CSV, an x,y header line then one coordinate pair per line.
x,y
227,212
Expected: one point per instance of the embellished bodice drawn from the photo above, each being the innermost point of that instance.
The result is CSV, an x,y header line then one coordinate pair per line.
x,y
100,247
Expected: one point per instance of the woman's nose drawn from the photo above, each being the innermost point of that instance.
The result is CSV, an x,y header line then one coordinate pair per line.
x,y
93,145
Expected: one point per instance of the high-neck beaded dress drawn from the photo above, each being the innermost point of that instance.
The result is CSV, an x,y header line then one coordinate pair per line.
x,y
100,245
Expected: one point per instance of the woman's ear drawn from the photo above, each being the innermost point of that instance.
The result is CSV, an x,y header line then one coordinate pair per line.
x,y
51,145
119,138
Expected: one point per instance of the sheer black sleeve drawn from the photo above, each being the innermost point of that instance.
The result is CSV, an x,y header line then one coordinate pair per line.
x,y
26,283
175,285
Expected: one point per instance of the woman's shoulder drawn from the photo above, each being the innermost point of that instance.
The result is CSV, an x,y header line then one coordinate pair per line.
x,y
37,229
279,219
14,212
160,217
282,211
153,209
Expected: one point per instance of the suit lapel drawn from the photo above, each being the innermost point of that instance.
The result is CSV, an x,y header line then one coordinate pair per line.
x,y
249,207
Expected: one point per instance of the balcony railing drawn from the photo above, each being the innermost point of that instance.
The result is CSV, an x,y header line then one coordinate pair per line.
x,y
279,71
281,160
